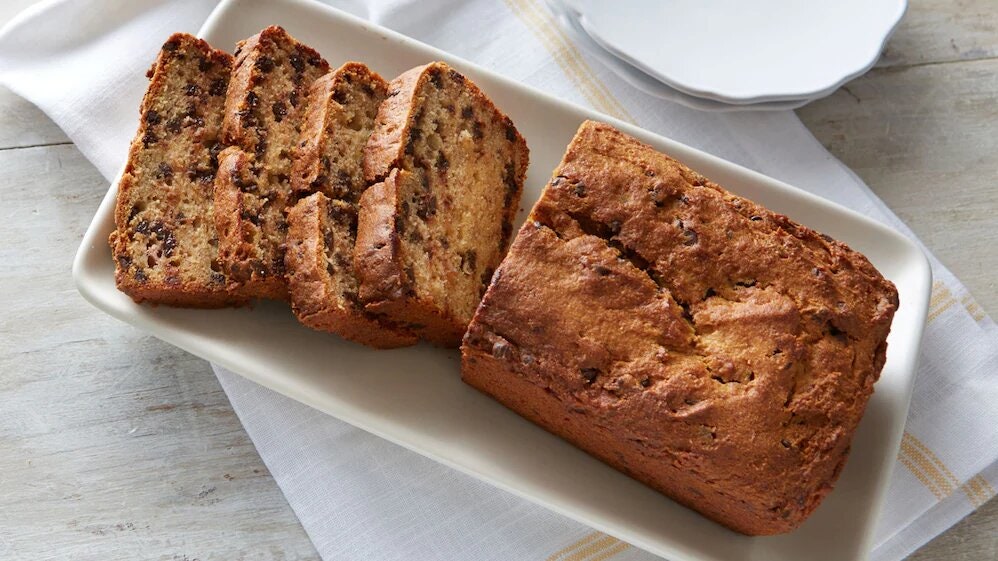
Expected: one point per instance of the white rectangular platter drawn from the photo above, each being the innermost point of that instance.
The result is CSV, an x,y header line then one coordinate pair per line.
x,y
414,397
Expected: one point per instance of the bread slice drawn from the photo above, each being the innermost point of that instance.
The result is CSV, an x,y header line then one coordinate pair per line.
x,y
164,244
264,111
430,234
322,227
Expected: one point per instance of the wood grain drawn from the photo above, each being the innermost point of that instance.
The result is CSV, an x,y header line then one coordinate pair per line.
x,y
113,444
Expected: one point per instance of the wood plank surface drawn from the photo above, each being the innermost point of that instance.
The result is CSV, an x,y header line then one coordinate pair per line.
x,y
114,445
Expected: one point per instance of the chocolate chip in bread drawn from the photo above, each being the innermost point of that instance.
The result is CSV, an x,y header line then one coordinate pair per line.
x,y
450,168
713,349
328,173
264,111
164,244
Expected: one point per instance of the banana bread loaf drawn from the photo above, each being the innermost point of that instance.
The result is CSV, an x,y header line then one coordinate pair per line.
x,y
264,108
322,226
164,245
430,234
713,349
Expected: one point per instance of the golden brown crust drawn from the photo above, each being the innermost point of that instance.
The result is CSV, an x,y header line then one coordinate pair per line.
x,y
314,301
713,349
169,162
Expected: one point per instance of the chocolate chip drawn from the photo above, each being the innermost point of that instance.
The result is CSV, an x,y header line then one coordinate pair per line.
x,y
510,131
315,60
645,383
124,261
293,99
152,117
442,162
171,46
149,138
468,261
204,64
264,63
426,205
172,280
580,189
217,278
297,62
589,374
477,130
602,271
192,89
502,350
174,124
456,76
140,274
142,227
436,79
690,237
164,171
467,112
340,96
218,87
280,111
252,100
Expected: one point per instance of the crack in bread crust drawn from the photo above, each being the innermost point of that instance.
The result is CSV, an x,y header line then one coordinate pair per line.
x,y
713,349
165,250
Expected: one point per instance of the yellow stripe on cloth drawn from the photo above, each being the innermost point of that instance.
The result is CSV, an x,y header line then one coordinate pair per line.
x,y
973,308
940,301
913,468
929,464
599,546
978,490
587,539
547,30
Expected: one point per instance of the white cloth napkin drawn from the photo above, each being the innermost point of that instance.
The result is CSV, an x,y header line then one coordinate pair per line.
x,y
359,497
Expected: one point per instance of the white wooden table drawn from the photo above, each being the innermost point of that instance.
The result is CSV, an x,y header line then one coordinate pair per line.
x,y
114,445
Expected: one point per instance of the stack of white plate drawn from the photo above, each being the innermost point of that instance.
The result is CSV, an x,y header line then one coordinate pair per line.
x,y
723,55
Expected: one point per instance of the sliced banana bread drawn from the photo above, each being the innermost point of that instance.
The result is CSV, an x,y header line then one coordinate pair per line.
x,y
430,234
322,227
264,111
164,245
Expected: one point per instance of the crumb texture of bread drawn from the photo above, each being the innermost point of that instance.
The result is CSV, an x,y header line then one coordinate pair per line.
x,y
327,172
449,170
264,111
165,245
711,348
